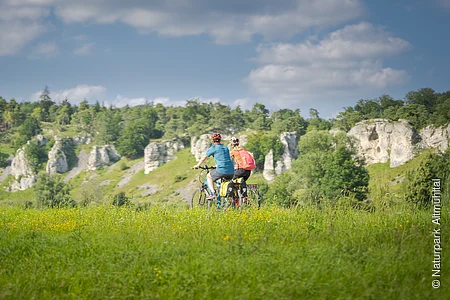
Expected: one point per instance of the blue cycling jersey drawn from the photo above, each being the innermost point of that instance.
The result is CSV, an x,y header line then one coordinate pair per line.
x,y
222,158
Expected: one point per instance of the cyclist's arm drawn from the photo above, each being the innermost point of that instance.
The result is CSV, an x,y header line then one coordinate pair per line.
x,y
201,161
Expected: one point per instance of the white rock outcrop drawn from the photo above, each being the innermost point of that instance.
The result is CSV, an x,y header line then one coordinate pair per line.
x,y
158,153
41,140
380,140
435,137
102,156
289,141
22,171
81,140
57,160
199,145
269,170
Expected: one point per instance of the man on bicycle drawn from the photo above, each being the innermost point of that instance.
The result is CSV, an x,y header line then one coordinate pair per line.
x,y
224,169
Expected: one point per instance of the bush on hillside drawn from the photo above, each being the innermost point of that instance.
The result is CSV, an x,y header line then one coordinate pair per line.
x,y
52,192
420,182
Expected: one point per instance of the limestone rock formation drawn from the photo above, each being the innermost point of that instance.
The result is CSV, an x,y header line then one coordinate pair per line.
x,y
81,139
289,141
269,170
200,145
380,140
432,137
102,156
158,153
41,140
57,160
22,171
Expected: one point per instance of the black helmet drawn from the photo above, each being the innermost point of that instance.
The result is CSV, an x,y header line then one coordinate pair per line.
x,y
235,140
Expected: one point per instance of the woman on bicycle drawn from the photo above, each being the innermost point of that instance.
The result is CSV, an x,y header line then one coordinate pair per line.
x,y
239,171
224,169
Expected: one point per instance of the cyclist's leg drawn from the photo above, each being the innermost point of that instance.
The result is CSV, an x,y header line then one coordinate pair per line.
x,y
211,177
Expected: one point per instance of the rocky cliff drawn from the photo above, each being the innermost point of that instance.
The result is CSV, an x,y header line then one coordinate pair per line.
x,y
199,145
271,168
57,159
380,140
22,171
102,156
158,153
64,147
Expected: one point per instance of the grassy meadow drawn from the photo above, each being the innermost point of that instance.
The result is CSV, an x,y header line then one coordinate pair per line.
x,y
120,253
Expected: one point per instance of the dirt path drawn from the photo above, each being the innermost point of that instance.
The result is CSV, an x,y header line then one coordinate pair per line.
x,y
133,170
81,165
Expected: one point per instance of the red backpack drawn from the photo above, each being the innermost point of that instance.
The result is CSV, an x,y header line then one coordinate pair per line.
x,y
248,161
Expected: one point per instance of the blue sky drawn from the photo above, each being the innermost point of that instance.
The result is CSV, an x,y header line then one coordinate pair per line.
x,y
323,54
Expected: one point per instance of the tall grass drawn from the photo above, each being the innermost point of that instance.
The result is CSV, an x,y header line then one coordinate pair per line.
x,y
273,253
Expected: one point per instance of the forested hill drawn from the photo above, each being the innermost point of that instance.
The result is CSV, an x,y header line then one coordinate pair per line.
x,y
130,129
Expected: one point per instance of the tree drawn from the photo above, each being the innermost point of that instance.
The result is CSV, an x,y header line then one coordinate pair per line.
x,y
442,111
45,102
36,155
220,118
30,128
417,114
420,182
288,120
348,118
258,117
369,109
134,138
260,144
52,192
326,169
63,115
316,122
426,97
108,125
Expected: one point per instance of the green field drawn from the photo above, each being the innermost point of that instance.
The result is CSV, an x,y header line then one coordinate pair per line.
x,y
109,253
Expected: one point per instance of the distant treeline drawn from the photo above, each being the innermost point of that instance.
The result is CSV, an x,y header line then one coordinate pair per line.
x,y
130,128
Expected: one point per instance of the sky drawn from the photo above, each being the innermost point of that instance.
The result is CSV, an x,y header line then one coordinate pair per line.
x,y
322,54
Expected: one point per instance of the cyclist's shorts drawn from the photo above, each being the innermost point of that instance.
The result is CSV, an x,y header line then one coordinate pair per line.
x,y
242,173
216,175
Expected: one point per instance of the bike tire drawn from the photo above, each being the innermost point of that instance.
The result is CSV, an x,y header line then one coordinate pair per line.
x,y
254,200
199,200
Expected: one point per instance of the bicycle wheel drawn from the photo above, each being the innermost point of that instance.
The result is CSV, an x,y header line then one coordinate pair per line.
x,y
253,199
199,199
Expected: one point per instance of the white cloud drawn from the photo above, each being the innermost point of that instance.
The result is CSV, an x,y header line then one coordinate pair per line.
x,y
121,101
75,95
244,103
19,26
45,50
84,49
233,21
343,63
227,22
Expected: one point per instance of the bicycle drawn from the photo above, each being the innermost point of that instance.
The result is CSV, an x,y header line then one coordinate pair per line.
x,y
238,194
245,195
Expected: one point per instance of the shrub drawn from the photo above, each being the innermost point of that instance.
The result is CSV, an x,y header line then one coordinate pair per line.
x,y
179,178
52,192
420,182
120,200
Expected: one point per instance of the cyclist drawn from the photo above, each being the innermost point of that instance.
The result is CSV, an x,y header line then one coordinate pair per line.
x,y
224,169
238,170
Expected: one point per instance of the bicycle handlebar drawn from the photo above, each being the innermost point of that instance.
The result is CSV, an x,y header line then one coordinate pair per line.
x,y
205,167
